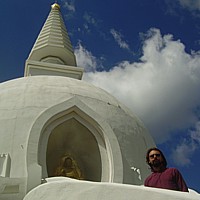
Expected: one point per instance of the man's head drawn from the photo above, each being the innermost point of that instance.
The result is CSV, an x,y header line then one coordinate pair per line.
x,y
155,159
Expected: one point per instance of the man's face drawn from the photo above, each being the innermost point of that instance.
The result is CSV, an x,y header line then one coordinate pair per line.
x,y
155,158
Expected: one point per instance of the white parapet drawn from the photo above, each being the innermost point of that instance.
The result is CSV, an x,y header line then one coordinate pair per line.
x,y
70,189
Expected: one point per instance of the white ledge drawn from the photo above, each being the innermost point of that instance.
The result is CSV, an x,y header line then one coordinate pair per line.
x,y
70,189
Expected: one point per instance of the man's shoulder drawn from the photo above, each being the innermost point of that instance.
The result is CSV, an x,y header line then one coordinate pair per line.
x,y
172,169
146,181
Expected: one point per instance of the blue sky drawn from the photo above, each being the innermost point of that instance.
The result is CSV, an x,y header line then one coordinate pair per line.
x,y
145,53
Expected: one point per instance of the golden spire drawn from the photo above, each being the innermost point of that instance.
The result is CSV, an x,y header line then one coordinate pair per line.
x,y
55,5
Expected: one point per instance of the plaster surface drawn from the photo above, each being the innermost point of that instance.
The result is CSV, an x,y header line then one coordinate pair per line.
x,y
65,188
31,109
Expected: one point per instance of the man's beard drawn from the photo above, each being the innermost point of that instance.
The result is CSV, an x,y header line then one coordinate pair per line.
x,y
156,163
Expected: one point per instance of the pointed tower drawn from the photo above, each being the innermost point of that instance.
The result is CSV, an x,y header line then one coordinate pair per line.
x,y
49,117
52,53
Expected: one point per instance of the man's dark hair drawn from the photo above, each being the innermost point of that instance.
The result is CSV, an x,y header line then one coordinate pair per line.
x,y
156,149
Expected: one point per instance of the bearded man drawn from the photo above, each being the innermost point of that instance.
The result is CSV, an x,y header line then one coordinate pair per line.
x,y
162,176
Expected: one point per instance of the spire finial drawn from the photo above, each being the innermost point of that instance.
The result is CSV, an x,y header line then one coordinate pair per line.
x,y
55,5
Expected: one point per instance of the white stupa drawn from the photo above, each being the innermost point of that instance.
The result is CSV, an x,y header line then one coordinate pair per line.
x,y
50,113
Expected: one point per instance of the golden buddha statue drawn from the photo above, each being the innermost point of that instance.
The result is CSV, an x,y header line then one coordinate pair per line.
x,y
69,168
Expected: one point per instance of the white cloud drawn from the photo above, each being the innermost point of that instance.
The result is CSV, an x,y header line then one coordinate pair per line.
x,y
90,22
85,58
182,154
69,5
195,135
184,150
193,6
89,19
118,38
190,4
162,89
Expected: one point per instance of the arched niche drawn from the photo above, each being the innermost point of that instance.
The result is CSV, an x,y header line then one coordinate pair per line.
x,y
72,135
55,120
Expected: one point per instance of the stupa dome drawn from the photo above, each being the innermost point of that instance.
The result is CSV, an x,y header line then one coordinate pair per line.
x,y
44,117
